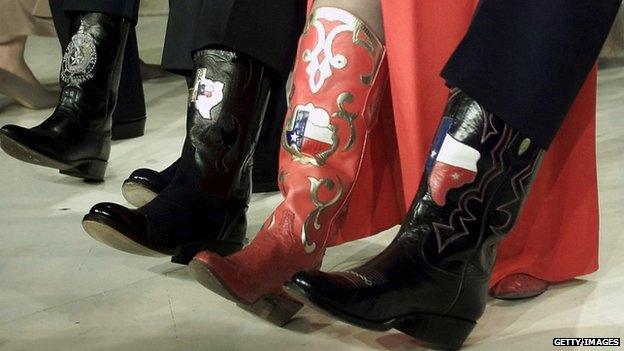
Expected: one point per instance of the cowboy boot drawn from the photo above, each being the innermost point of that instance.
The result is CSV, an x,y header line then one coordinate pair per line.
x,y
144,184
432,281
76,139
339,77
204,205
518,286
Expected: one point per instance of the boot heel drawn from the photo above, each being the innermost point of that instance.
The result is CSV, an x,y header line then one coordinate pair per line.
x,y
438,332
276,309
92,170
129,130
186,253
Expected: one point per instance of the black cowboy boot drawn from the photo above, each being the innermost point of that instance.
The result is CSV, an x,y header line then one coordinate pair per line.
x,y
432,281
76,138
204,205
144,184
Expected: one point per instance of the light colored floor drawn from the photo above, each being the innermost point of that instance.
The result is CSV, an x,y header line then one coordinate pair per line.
x,y
61,290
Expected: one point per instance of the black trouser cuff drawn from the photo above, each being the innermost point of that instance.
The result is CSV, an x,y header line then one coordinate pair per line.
x,y
128,9
526,60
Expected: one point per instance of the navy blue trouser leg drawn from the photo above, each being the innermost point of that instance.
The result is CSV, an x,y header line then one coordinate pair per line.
x,y
267,30
526,60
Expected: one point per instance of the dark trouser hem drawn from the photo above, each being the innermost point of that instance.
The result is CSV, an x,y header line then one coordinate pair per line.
x,y
131,98
266,156
131,101
128,9
177,51
266,30
526,60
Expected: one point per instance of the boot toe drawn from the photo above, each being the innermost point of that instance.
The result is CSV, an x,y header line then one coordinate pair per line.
x,y
230,279
320,287
26,136
152,179
142,186
519,286
219,275
231,275
313,282
223,267
12,131
120,216
121,228
11,136
31,146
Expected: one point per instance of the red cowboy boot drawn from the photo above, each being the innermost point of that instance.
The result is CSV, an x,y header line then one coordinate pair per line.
x,y
518,286
340,74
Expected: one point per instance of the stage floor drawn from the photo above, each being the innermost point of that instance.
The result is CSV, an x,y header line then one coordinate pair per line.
x,y
61,290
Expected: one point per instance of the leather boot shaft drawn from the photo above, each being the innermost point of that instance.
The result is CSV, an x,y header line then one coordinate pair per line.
x,y
476,180
227,103
91,69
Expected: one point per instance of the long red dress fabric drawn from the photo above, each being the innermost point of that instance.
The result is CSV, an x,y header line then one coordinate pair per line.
x,y
556,237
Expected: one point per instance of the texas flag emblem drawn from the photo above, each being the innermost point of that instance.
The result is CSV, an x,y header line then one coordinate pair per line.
x,y
451,164
310,131
207,94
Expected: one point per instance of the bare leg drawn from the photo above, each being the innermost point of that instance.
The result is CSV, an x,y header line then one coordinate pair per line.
x,y
12,59
368,11
18,81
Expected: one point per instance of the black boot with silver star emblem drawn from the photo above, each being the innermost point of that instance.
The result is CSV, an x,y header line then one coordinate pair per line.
x,y
76,139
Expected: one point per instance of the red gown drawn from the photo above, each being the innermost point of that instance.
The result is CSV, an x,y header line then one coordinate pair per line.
x,y
556,238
